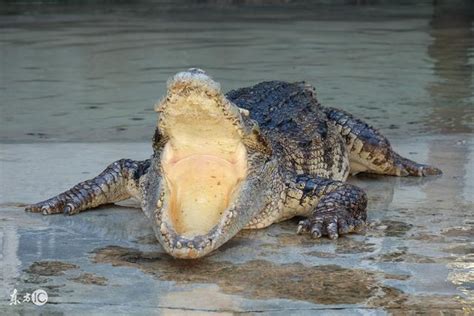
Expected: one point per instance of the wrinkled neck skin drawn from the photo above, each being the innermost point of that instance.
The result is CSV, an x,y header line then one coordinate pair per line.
x,y
209,169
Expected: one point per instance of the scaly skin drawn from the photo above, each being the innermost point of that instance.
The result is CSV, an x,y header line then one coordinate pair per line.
x,y
371,152
118,182
298,156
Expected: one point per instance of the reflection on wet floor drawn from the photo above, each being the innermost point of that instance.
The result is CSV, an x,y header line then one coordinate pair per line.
x,y
452,91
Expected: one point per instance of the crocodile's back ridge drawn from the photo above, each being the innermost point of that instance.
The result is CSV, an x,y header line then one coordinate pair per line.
x,y
284,108
291,117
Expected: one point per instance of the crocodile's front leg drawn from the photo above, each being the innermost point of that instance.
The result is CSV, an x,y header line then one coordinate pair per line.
x,y
332,207
119,181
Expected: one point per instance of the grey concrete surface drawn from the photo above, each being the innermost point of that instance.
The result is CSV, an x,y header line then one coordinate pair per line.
x,y
416,254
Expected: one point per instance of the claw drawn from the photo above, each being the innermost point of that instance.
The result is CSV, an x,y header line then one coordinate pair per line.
x,y
68,210
32,208
303,227
316,230
300,230
344,227
359,225
315,233
402,172
44,210
430,171
332,230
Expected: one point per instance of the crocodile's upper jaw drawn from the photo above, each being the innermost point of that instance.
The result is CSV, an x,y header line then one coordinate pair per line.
x,y
204,165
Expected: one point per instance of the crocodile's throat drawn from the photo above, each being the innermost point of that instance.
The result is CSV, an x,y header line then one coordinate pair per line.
x,y
204,161
201,183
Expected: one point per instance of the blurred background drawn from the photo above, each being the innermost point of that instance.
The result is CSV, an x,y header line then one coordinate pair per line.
x,y
92,70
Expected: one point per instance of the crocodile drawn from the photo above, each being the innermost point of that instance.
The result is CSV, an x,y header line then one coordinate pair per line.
x,y
246,159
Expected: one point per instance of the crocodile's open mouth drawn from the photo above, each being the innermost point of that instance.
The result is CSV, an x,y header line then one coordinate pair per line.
x,y
204,161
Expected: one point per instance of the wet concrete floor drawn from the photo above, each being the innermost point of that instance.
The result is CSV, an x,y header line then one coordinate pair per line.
x,y
415,255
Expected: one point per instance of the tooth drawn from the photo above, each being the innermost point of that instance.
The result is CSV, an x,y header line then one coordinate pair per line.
x,y
163,229
158,216
244,112
190,245
159,203
178,245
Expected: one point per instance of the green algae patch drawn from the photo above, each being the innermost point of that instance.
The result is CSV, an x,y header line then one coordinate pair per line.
x,y
351,246
402,255
90,279
256,279
50,268
460,231
396,228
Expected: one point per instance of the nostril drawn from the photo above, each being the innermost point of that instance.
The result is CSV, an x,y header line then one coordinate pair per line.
x,y
196,71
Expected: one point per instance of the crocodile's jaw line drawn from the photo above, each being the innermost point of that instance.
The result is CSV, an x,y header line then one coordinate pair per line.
x,y
204,164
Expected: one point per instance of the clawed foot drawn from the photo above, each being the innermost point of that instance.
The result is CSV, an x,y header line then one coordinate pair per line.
x,y
332,225
52,206
426,170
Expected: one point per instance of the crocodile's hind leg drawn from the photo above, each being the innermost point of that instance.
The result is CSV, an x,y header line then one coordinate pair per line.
x,y
371,152
119,181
